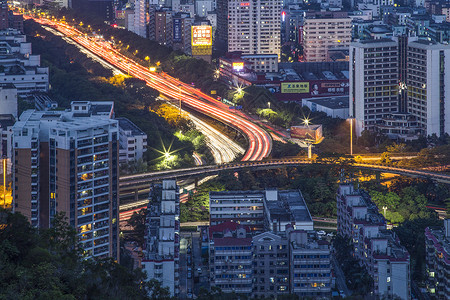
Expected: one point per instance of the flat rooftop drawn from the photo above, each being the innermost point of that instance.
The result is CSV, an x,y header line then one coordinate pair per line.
x,y
127,125
339,102
290,206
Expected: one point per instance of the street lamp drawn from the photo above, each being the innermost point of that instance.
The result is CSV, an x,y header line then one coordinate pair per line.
x,y
148,59
268,103
384,211
351,135
4,182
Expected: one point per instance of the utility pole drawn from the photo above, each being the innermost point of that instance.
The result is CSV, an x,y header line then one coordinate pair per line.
x,y
4,182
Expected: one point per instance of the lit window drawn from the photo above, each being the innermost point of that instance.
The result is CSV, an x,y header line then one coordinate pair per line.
x,y
388,279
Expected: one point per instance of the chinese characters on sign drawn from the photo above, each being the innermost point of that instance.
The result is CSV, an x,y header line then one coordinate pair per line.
x,y
201,35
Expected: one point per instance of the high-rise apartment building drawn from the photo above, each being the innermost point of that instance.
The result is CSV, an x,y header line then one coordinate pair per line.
x,y
67,161
163,27
428,72
377,248
392,79
325,31
437,242
162,243
373,82
254,27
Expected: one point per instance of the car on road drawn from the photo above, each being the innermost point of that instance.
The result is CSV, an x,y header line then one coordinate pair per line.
x,y
199,270
189,274
321,232
189,260
189,250
342,294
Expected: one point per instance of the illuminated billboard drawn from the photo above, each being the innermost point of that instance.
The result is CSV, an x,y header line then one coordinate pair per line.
x,y
311,133
201,35
238,66
294,87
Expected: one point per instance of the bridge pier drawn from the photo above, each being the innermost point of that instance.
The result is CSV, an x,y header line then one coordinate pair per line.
x,y
196,182
378,177
136,195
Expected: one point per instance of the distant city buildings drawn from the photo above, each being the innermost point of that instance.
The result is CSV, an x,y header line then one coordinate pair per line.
x,y
270,253
437,242
19,67
162,242
67,161
377,248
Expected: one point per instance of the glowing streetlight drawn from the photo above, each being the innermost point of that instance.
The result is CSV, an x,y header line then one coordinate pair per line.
x,y
239,90
268,104
306,121
167,155
384,211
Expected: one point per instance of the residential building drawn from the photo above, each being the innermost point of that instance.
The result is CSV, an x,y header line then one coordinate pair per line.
x,y
253,27
242,207
231,258
323,31
19,66
284,209
373,82
163,27
428,96
399,126
378,249
270,265
140,18
6,122
44,102
161,259
221,40
437,242
67,161
309,265
202,7
8,100
181,38
132,141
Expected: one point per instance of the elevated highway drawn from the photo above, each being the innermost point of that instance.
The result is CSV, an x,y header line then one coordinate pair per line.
x,y
131,186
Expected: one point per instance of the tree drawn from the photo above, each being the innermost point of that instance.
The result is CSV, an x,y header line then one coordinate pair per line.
x,y
137,222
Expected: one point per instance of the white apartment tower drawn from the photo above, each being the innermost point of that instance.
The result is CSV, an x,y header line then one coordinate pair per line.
x,y
428,75
373,82
67,161
162,247
140,18
254,27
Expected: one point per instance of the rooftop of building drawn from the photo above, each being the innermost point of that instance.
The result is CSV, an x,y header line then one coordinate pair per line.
x,y
288,206
127,125
232,241
338,102
62,120
6,121
226,228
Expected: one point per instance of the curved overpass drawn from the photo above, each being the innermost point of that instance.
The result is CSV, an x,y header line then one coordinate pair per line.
x,y
136,182
259,141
